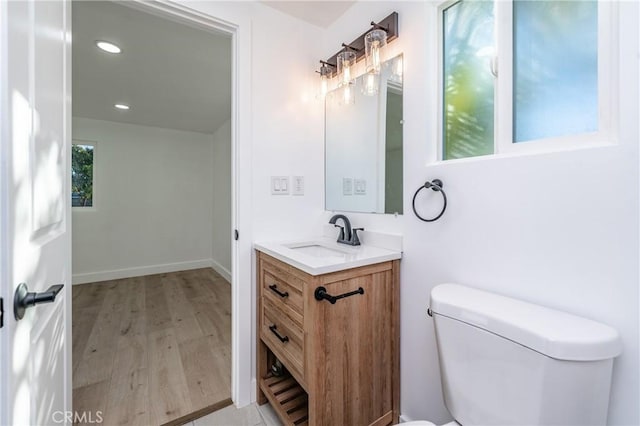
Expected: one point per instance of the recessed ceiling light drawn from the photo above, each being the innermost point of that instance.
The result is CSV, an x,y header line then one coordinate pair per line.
x,y
108,47
122,106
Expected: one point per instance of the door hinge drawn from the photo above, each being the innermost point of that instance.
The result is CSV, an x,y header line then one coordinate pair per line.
x,y
1,312
236,234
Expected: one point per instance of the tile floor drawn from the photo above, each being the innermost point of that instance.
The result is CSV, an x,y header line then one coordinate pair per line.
x,y
251,415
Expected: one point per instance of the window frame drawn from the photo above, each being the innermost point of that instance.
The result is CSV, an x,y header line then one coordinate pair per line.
x,y
503,87
93,206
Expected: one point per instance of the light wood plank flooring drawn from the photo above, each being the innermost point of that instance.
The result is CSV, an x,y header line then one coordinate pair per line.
x,y
152,350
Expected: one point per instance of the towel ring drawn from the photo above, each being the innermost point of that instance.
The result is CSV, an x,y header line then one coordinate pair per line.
x,y
435,185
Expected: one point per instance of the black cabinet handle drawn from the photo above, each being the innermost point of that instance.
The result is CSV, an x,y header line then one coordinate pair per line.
x,y
273,328
321,294
274,288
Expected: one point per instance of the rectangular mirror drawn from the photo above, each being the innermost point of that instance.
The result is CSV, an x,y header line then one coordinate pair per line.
x,y
363,142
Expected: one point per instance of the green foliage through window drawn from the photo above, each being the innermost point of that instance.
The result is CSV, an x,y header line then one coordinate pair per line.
x,y
468,82
82,175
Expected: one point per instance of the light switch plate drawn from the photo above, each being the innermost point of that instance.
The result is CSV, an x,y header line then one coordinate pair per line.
x,y
279,185
298,185
347,186
360,186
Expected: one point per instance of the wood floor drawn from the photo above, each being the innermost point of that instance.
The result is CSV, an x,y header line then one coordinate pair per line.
x,y
150,350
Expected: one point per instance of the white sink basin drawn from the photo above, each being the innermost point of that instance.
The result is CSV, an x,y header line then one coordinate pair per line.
x,y
317,250
323,255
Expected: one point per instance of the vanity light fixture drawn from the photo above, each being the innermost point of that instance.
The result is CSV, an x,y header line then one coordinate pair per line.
x,y
346,64
370,83
374,41
348,96
123,107
397,70
369,45
326,71
108,47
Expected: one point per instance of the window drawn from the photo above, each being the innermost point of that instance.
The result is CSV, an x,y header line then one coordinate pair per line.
x,y
82,156
468,82
520,74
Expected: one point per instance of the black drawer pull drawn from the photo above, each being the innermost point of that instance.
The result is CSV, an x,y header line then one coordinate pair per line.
x,y
321,294
278,292
273,328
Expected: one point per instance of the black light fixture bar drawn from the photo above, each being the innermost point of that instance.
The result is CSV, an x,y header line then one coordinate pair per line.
x,y
350,47
389,24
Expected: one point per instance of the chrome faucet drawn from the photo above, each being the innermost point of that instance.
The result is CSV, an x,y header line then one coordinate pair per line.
x,y
347,235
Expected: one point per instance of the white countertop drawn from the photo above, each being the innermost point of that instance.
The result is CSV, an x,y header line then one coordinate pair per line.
x,y
322,255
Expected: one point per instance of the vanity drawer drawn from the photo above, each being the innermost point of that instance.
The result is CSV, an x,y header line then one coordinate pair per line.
x,y
283,336
284,293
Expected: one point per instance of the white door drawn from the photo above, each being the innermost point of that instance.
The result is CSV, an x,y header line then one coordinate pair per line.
x,y
35,249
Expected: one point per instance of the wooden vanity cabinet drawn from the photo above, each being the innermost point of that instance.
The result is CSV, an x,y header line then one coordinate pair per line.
x,y
342,359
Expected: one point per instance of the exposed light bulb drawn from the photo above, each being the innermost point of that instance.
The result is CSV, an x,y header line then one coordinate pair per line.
x,y
347,94
325,75
374,41
370,84
346,75
375,53
397,69
324,86
346,62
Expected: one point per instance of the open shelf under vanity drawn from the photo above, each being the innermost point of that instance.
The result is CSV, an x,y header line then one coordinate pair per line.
x,y
287,398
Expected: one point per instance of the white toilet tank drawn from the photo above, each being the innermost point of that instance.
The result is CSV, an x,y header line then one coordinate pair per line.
x,y
508,362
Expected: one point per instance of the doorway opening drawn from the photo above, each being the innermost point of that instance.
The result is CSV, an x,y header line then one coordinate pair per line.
x,y
152,185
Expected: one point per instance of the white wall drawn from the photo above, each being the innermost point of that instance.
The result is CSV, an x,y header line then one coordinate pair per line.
x,y
287,132
153,202
559,229
221,182
288,137
280,132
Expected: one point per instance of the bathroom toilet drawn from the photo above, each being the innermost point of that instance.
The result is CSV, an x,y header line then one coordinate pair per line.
x,y
507,362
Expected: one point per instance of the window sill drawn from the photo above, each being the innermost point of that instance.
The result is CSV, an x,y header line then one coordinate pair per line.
x,y
526,153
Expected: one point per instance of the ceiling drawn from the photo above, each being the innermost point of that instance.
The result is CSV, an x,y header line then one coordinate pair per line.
x,y
319,13
172,75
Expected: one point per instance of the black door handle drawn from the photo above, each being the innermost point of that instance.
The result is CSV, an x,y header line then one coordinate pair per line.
x,y
23,299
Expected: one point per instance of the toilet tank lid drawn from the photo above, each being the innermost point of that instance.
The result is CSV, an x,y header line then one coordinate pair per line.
x,y
553,333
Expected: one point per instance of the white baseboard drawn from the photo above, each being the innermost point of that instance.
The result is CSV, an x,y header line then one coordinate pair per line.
x,y
117,274
226,274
